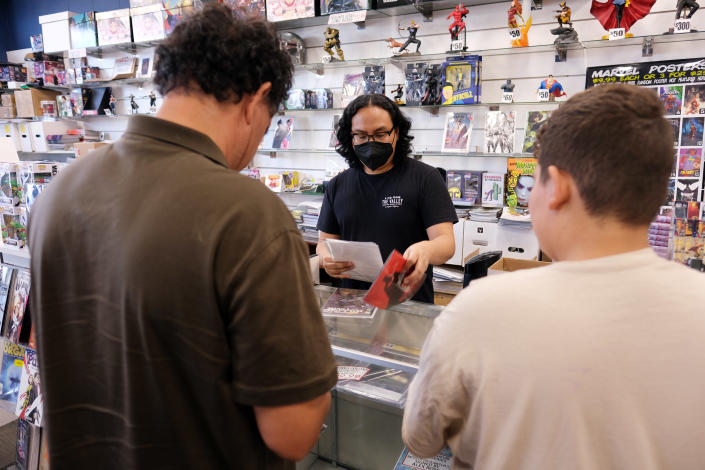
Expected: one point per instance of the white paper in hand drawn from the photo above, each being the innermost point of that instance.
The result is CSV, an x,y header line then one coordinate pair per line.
x,y
364,255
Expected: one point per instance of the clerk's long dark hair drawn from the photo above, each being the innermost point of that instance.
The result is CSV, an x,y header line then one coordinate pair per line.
x,y
400,122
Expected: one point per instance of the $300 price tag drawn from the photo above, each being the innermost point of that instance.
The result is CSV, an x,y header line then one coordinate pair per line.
x,y
682,26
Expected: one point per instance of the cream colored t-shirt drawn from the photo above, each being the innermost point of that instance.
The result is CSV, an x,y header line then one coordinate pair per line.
x,y
596,364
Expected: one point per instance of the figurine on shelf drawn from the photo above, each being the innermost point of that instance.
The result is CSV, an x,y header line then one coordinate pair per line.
x,y
111,105
458,24
432,94
507,87
555,89
691,5
133,105
332,36
413,28
152,102
564,33
398,93
620,13
515,9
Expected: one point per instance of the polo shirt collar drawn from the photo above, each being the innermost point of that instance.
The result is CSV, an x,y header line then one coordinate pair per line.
x,y
167,131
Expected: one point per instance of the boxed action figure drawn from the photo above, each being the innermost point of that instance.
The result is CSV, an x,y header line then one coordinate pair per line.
x,y
374,79
114,27
465,186
148,23
296,99
319,98
174,12
492,189
415,83
282,10
84,32
432,85
461,80
14,225
8,184
329,7
353,86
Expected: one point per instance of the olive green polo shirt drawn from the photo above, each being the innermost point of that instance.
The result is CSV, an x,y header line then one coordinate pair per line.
x,y
172,294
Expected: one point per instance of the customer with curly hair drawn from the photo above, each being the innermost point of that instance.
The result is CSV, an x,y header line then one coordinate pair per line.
x,y
166,338
385,196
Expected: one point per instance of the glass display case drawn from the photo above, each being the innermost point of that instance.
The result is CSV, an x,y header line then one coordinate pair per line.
x,y
377,358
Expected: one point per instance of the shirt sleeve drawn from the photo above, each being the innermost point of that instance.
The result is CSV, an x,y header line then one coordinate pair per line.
x,y
438,399
436,204
327,221
280,349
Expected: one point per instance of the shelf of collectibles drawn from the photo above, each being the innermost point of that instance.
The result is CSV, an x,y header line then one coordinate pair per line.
x,y
378,354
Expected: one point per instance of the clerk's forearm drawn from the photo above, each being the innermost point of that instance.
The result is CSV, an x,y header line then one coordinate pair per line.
x,y
441,249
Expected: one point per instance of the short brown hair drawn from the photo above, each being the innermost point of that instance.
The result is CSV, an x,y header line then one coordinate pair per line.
x,y
615,143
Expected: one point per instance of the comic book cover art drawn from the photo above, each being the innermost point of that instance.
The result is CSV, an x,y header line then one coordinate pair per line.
x,y
499,132
347,303
333,141
520,182
694,100
687,189
690,162
671,192
676,128
281,10
115,30
7,275
22,451
692,132
408,461
83,30
493,189
672,98
29,400
329,7
11,371
247,8
14,226
454,182
17,304
676,160
387,291
281,132
456,134
353,86
534,121
148,26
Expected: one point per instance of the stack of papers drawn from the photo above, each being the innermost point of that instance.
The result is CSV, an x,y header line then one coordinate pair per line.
x,y
364,255
444,274
509,219
481,214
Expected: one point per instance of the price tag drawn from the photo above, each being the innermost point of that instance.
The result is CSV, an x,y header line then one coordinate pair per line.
x,y
617,33
514,33
348,17
508,97
77,53
326,59
352,372
79,80
542,95
682,25
457,46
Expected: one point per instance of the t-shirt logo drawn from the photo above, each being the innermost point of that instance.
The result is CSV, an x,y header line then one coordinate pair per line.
x,y
390,202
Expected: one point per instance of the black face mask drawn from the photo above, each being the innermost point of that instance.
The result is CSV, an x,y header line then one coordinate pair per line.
x,y
373,154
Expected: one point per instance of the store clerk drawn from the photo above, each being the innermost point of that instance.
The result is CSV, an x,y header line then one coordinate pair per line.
x,y
385,196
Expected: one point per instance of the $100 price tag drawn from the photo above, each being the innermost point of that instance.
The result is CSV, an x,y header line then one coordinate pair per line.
x,y
617,33
682,26
514,33
543,95
509,97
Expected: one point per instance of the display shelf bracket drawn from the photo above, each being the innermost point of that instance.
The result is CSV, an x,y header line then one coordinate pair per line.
x,y
425,8
273,154
360,24
647,46
561,53
433,110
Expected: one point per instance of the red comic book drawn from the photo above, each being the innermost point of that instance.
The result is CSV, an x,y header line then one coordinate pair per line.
x,y
387,290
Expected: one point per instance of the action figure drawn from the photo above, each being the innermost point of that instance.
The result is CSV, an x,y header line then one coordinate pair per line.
x,y
152,102
564,33
515,9
554,88
413,28
458,24
564,16
691,5
433,86
133,105
332,36
111,105
620,13
507,87
398,93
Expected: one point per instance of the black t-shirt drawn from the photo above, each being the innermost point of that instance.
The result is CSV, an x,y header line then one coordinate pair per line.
x,y
392,209
165,311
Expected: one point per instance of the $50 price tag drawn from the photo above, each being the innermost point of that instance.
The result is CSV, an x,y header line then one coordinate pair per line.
x,y
617,33
514,33
542,95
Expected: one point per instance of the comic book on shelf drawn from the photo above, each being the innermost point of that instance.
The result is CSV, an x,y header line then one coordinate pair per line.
x,y
348,303
694,100
388,291
456,133
29,400
11,371
29,446
493,189
7,275
520,182
499,132
534,121
281,132
17,303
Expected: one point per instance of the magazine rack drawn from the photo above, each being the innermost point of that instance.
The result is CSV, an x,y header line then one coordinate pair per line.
x,y
363,429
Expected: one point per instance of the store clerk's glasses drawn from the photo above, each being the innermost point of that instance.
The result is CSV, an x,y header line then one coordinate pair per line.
x,y
380,136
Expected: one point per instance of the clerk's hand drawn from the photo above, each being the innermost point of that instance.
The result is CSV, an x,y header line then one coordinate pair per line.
x,y
337,268
417,257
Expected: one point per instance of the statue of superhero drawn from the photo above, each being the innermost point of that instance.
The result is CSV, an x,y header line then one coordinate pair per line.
x,y
332,37
458,24
620,13
515,9
554,88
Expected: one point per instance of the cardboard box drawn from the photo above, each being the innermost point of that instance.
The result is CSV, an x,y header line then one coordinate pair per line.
x,y
507,265
29,101
55,31
25,137
7,99
114,27
7,112
480,235
84,148
517,242
148,23
39,130
84,32
11,131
